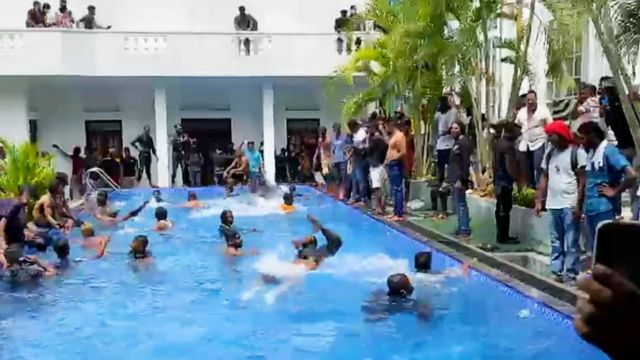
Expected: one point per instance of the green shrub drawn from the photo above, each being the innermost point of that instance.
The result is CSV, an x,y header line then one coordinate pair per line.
x,y
525,198
24,165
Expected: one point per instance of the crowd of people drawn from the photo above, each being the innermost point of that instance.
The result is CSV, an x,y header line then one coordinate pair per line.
x,y
41,16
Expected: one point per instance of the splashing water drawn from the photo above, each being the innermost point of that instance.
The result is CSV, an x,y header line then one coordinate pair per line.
x,y
242,206
375,268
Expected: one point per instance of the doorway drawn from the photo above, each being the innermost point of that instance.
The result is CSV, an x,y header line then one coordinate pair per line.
x,y
302,135
211,134
103,135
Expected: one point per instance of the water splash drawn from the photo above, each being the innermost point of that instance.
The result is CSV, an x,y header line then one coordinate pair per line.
x,y
375,268
241,207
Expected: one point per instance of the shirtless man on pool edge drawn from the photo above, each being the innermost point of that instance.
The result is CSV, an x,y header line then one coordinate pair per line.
x,y
396,153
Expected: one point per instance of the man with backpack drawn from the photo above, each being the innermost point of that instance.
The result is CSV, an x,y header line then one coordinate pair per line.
x,y
609,174
562,184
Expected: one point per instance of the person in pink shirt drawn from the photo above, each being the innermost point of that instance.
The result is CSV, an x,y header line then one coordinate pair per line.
x,y
64,17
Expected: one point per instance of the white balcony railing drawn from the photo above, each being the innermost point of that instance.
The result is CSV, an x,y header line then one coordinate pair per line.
x,y
32,52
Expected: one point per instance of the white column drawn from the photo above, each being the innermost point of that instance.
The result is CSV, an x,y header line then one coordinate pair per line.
x,y
268,133
160,105
14,112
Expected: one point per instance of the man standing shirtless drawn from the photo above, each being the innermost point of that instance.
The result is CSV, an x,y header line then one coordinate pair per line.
x,y
395,155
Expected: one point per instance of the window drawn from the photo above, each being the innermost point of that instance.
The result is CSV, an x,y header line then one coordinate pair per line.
x,y
574,67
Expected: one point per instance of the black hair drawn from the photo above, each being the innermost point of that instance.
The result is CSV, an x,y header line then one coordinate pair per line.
x,y
352,124
592,128
76,151
62,179
223,216
241,8
36,3
144,241
532,92
46,6
287,199
399,285
61,248
422,261
24,189
161,213
192,195
443,105
292,189
53,187
13,253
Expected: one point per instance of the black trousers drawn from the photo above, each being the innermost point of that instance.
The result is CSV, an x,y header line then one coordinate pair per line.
x,y
176,160
504,204
145,165
436,195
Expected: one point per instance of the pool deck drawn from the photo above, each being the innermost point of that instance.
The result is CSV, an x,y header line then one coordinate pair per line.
x,y
544,290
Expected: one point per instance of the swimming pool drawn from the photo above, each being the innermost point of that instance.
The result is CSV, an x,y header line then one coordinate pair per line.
x,y
194,302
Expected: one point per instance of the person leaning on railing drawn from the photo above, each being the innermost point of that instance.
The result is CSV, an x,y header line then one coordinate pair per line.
x,y
245,22
89,21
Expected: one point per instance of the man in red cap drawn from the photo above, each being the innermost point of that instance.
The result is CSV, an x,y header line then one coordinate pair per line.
x,y
562,184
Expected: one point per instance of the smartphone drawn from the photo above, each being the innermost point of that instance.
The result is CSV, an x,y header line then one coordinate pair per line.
x,y
618,248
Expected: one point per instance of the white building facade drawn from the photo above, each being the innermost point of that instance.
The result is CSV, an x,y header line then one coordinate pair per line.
x,y
167,62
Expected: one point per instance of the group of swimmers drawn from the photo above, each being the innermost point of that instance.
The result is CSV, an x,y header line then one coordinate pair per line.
x,y
53,221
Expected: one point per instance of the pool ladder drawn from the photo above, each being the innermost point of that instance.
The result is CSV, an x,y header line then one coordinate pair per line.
x,y
91,184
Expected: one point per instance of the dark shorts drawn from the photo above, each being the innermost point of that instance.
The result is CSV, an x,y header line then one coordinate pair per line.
x,y
239,177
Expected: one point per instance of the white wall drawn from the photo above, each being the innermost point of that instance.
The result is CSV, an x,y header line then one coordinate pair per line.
x,y
194,15
62,107
14,111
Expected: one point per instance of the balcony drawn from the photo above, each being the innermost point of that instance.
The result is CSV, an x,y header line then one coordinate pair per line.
x,y
42,52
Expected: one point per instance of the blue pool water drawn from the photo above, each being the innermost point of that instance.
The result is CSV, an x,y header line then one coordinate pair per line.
x,y
196,303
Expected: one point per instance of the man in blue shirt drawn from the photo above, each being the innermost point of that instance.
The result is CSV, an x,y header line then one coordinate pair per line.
x,y
256,168
608,175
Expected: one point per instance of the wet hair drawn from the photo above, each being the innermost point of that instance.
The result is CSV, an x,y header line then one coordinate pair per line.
x,y
156,192
591,128
192,196
223,216
87,230
292,189
287,199
53,187
422,261
161,213
61,248
399,285
143,242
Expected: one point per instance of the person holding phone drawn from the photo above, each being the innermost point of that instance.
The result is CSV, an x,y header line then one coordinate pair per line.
x,y
562,184
609,173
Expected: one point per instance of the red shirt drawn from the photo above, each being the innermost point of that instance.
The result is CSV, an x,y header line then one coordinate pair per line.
x,y
35,18
77,164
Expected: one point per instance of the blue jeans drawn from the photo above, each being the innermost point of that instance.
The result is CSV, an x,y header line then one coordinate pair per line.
x,y
396,180
340,173
564,231
635,210
592,225
534,159
460,199
358,183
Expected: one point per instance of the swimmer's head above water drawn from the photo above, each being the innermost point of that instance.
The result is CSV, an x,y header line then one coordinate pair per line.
x,y
399,285
87,230
139,246
422,261
287,199
161,214
226,217
306,247
61,248
191,196
157,196
101,198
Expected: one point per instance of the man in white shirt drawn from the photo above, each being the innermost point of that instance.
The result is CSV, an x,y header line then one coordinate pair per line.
x,y
562,183
532,119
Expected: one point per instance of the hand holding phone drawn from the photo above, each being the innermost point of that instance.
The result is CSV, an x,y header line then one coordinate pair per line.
x,y
618,248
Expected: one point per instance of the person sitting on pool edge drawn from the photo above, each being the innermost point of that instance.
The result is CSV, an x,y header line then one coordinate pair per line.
x,y
139,249
231,235
162,216
396,300
192,201
44,216
91,241
108,216
287,206
309,254
236,173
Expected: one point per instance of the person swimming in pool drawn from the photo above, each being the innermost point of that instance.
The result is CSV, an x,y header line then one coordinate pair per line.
x,y
22,269
232,236
92,241
157,196
162,222
309,254
62,250
287,203
192,201
140,249
106,215
422,266
396,300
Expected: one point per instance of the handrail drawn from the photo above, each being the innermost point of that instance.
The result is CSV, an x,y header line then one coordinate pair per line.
x,y
174,32
102,175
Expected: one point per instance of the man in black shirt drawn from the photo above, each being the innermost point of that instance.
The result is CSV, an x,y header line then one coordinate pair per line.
x,y
179,147
145,149
376,154
129,169
111,166
459,162
505,173
342,25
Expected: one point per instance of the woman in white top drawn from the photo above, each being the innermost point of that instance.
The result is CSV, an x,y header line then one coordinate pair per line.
x,y
532,119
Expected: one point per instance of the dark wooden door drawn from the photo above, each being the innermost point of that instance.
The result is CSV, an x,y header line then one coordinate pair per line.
x,y
104,135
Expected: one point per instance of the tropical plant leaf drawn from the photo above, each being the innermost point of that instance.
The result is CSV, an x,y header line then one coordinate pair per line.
x,y
24,165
